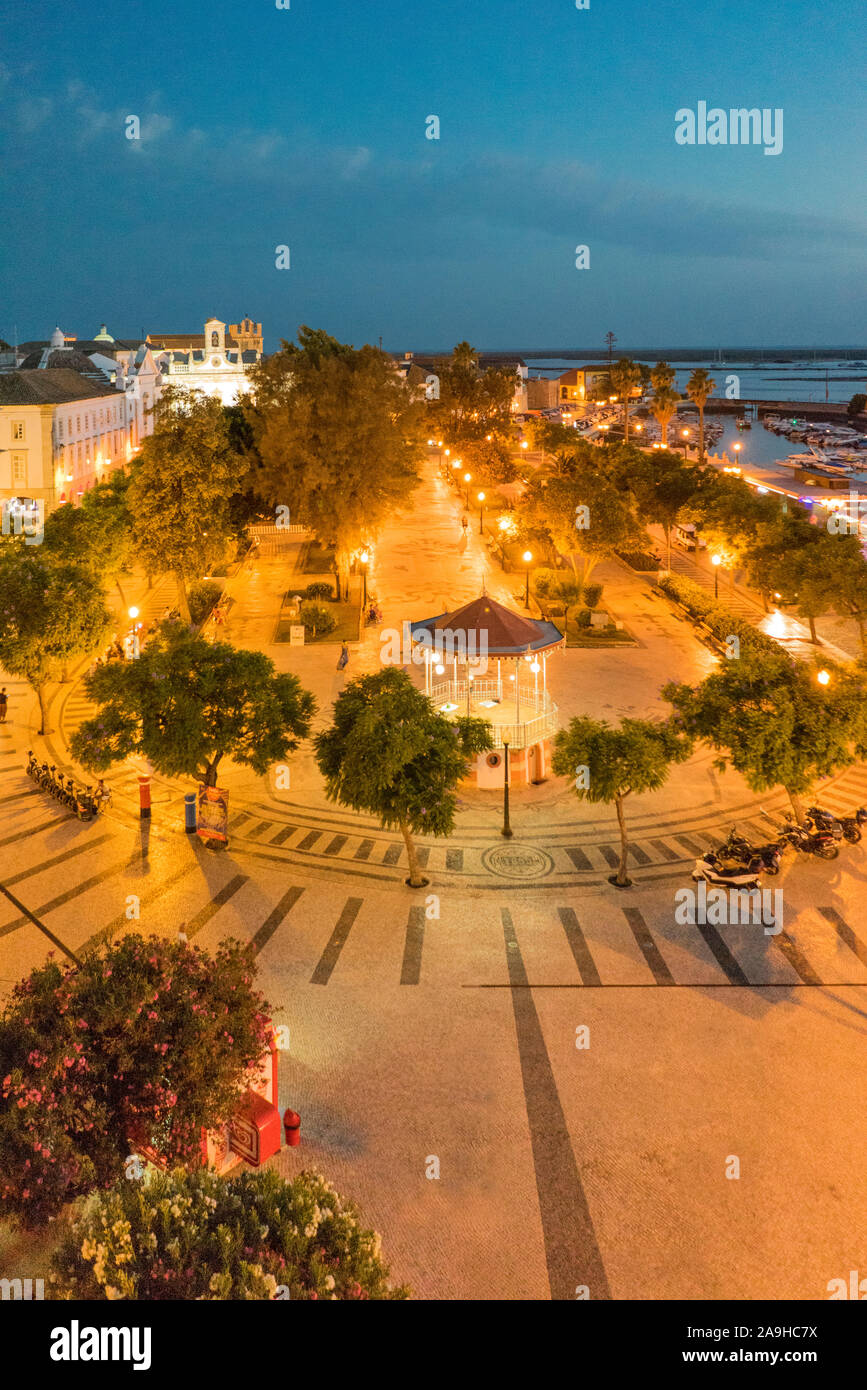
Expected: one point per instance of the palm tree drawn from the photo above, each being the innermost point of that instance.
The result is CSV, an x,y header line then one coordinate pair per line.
x,y
665,398
698,388
624,375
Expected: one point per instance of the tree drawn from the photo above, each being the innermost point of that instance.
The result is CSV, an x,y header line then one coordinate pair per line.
x,y
847,580
570,590
665,485
472,403
789,559
624,375
179,493
389,753
611,763
340,436
665,398
490,460
857,404
186,703
146,1042
698,388
776,724
256,1235
97,536
49,614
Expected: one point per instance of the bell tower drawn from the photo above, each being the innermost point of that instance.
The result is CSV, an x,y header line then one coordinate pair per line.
x,y
215,336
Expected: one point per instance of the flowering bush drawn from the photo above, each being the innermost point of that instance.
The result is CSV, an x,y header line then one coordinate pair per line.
x,y
149,1040
197,1236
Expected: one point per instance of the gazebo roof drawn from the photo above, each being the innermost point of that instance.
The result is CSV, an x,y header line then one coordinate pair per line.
x,y
507,633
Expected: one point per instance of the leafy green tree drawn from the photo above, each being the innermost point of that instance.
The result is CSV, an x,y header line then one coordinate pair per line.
x,y
606,764
198,1236
730,513
50,613
490,460
179,493
847,578
665,486
97,536
472,403
146,1041
570,592
340,436
857,404
774,722
665,398
700,386
186,703
390,754
624,375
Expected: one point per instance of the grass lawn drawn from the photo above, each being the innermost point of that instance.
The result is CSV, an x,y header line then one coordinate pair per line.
x,y
317,559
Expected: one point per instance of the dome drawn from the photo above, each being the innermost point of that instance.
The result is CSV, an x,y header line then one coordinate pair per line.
x,y
57,338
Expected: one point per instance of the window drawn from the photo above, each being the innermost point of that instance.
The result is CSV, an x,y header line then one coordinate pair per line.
x,y
19,470
17,429
78,424
60,429
215,340
86,423
101,417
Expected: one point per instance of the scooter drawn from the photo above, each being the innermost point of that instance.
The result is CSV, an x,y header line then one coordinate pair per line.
x,y
850,826
32,765
726,873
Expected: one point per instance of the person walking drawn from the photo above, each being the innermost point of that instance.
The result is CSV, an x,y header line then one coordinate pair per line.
x,y
4,703
343,659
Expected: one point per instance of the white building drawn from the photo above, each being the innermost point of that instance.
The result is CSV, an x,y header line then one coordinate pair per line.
x,y
215,369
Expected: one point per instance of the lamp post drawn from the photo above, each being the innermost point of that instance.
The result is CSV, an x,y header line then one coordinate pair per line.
x,y
506,831
528,556
823,677
481,501
365,556
716,561
468,478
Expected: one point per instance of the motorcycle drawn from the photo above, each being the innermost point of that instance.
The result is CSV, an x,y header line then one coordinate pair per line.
x,y
32,765
727,873
821,841
738,847
850,826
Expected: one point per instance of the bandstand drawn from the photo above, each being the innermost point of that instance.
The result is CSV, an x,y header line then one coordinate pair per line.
x,y
484,660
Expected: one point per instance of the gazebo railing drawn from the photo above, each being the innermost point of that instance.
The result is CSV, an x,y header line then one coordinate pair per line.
x,y
541,721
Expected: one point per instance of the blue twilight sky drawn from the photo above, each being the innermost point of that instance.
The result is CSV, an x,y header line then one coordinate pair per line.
x,y
306,127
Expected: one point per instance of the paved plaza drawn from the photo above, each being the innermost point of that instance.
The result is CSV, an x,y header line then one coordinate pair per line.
x,y
442,1022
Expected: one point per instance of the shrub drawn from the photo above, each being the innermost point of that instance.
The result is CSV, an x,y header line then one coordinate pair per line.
x,y
544,582
150,1039
640,559
857,404
202,598
196,1236
319,590
722,622
583,617
318,621
592,594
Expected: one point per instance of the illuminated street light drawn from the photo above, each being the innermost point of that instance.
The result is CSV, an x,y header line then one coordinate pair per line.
x,y
823,677
480,497
468,478
528,558
716,561
133,613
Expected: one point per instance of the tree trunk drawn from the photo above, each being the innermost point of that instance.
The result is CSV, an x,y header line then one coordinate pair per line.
x,y
120,591
211,772
416,879
813,637
43,709
700,432
622,875
668,545
796,806
183,601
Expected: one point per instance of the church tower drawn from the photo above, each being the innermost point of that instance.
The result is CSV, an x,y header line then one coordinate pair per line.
x,y
215,336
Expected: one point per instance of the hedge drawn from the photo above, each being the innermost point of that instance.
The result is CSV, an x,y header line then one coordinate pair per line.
x,y
721,621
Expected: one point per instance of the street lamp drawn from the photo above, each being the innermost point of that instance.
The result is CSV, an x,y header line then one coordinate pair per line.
x,y
468,478
737,448
365,556
481,501
823,677
527,557
506,831
716,561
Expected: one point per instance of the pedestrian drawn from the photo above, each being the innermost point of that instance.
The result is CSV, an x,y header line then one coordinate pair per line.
x,y
3,705
465,521
343,659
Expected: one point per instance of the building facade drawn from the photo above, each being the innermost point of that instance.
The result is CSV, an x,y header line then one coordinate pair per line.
x,y
60,432
215,369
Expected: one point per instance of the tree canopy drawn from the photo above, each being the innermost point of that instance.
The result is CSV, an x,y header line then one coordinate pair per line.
x,y
186,703
389,753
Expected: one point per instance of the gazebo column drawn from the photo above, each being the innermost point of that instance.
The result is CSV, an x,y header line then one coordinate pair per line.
x,y
517,690
455,681
499,678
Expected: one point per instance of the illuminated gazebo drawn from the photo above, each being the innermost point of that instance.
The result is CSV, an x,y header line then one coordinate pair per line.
x,y
482,659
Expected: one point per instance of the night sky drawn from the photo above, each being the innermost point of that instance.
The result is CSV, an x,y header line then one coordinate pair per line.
x,y
306,127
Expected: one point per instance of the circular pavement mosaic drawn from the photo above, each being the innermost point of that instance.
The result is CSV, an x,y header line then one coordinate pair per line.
x,y
517,861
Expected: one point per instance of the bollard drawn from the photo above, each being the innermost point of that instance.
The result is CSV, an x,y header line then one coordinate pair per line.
x,y
292,1126
144,797
190,813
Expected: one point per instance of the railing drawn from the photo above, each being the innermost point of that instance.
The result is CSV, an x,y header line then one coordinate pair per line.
x,y
541,722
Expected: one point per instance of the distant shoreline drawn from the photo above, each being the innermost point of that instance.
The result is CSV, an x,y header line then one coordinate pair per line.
x,y
760,357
